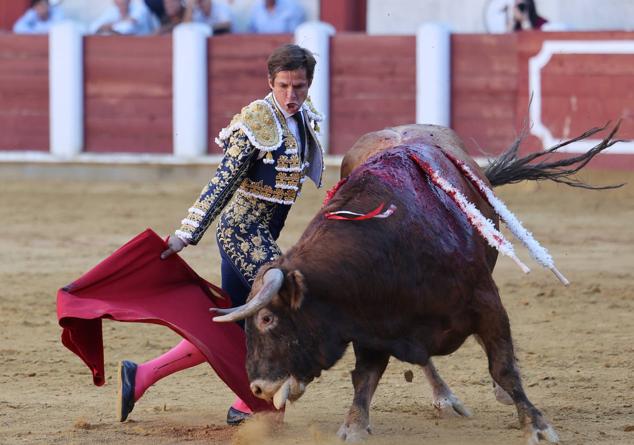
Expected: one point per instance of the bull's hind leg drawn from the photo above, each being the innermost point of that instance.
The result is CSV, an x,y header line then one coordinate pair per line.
x,y
500,395
444,400
495,332
367,372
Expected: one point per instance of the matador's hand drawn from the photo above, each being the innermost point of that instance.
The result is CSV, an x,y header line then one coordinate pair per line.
x,y
175,245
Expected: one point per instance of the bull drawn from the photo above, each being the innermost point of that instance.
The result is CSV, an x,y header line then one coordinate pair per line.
x,y
412,285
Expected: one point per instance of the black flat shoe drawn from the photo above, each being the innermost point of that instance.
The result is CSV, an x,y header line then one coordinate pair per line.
x,y
236,417
125,401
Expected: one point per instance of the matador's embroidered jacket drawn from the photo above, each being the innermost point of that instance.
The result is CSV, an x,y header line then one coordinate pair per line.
x,y
264,168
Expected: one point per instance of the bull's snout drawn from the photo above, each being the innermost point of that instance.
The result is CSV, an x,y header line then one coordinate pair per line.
x,y
265,389
278,391
256,389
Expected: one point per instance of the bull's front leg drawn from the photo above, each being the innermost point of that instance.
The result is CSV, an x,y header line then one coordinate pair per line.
x,y
368,370
444,400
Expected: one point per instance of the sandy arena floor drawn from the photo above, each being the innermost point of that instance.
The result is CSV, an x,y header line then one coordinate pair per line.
x,y
575,345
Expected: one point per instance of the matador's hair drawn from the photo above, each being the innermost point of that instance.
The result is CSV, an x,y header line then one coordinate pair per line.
x,y
291,57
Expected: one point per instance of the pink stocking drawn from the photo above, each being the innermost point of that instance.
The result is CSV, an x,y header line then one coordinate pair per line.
x,y
241,406
182,356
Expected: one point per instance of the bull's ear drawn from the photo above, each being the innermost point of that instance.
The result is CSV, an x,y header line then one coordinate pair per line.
x,y
293,289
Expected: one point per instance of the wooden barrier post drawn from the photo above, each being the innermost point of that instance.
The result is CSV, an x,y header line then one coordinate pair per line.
x,y
433,75
190,104
315,36
66,90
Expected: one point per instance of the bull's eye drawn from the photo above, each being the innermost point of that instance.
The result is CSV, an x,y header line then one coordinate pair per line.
x,y
265,320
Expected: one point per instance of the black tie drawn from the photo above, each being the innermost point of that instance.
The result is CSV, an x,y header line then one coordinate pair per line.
x,y
302,132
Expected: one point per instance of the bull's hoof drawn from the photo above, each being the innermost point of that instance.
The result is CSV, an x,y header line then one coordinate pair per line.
x,y
353,433
449,405
502,396
534,434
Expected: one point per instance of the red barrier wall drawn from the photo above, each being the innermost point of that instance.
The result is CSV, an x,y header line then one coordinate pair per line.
x,y
128,94
11,11
128,89
24,113
350,15
373,85
484,90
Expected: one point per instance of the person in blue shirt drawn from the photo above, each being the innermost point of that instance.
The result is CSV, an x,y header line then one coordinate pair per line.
x,y
276,16
38,18
169,13
215,14
125,17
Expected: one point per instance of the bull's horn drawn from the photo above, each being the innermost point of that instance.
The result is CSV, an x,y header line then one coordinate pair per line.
x,y
272,282
281,395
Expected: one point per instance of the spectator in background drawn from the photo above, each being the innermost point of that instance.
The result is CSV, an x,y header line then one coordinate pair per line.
x,y
38,18
275,16
525,17
125,17
168,13
215,14
156,8
173,15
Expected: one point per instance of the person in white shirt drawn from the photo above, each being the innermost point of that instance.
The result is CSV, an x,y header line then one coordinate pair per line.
x,y
216,15
125,17
276,16
38,18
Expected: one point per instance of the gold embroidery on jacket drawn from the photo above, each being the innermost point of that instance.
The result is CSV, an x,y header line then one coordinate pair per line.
x,y
287,179
215,195
259,123
288,162
258,189
244,236
259,119
260,127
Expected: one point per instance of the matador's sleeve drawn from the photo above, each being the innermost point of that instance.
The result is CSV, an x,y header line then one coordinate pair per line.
x,y
239,153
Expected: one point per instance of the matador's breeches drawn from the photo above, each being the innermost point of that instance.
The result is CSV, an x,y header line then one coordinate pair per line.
x,y
247,231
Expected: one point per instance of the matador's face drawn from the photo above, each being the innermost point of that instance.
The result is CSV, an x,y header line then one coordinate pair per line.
x,y
290,89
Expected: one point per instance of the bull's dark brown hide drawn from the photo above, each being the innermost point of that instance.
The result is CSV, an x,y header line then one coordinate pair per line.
x,y
402,285
412,286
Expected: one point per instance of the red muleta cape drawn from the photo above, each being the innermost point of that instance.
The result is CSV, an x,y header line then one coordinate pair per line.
x,y
135,285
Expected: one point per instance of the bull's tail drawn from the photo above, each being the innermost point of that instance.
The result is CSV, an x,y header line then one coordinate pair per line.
x,y
509,168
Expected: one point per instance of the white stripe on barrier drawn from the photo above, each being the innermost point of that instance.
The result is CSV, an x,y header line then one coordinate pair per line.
x,y
535,65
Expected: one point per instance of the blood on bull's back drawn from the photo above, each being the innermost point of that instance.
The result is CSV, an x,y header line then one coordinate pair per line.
x,y
420,263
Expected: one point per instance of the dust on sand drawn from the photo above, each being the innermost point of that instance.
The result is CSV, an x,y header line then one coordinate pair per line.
x,y
574,344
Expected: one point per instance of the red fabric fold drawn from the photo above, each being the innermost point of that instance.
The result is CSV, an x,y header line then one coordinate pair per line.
x,y
135,285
